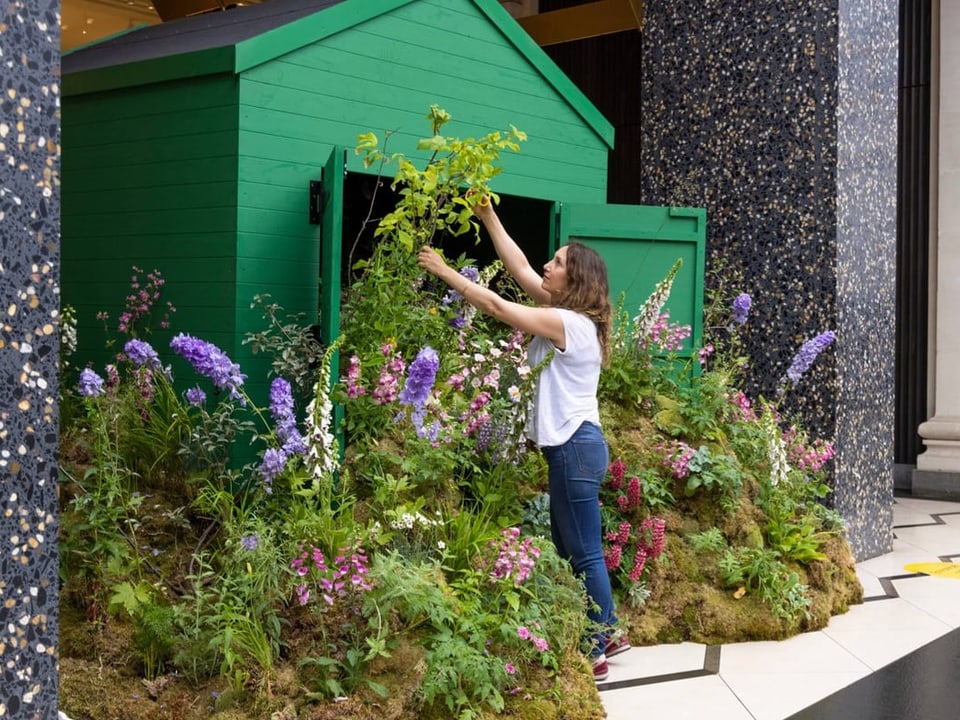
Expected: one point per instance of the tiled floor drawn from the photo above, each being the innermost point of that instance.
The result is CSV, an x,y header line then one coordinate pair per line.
x,y
903,612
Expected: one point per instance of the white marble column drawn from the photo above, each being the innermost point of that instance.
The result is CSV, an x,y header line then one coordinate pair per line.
x,y
941,432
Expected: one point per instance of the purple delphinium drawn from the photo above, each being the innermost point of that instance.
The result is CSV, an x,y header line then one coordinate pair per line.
x,y
90,384
416,391
281,408
808,353
141,353
420,378
741,308
196,396
273,463
210,361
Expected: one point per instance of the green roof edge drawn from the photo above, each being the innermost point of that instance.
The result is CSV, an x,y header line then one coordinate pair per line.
x,y
174,67
499,16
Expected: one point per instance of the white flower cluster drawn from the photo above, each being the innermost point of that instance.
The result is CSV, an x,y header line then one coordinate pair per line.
x,y
650,311
779,467
408,521
322,449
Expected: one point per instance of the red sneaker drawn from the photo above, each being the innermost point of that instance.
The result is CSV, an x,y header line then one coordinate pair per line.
x,y
600,668
616,644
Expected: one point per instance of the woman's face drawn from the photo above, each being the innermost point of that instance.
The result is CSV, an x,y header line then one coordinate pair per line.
x,y
555,273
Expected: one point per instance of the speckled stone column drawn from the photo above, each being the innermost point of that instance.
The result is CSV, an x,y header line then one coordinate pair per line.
x,y
938,467
29,280
781,120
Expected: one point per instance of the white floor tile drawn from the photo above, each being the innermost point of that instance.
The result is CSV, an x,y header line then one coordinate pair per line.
x,y
774,697
807,653
643,662
871,583
693,699
936,540
892,562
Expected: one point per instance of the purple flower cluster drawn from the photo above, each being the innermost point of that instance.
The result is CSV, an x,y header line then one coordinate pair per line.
x,y
516,559
250,542
210,361
141,353
140,302
281,408
273,463
196,396
291,441
90,384
348,574
386,390
523,632
741,308
808,353
452,296
420,378
470,273
354,388
676,457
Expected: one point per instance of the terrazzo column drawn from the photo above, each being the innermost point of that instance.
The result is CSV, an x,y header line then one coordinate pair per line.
x,y
938,467
29,279
781,120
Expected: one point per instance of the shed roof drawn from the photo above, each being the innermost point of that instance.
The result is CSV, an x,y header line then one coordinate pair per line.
x,y
240,38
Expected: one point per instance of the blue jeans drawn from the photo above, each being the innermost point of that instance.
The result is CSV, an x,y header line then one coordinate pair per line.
x,y
576,469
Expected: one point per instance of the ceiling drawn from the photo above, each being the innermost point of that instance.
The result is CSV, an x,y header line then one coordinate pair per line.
x,y
83,21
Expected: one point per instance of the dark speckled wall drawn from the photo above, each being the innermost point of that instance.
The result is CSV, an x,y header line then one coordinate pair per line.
x,y
29,302
780,118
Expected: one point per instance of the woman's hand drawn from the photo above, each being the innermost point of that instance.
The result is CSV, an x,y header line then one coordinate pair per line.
x,y
480,204
431,261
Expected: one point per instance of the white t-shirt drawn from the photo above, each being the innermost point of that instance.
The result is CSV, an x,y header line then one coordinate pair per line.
x,y
566,391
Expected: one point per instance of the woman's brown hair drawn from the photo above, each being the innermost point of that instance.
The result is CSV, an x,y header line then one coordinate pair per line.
x,y
588,291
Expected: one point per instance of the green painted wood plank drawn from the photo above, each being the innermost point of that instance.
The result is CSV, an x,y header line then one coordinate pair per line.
x,y
278,248
266,196
558,168
288,173
162,222
272,147
154,249
114,273
312,28
78,202
152,128
380,100
340,61
182,147
96,178
138,102
278,223
184,295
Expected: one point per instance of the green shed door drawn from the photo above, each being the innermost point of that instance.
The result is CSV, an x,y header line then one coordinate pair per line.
x,y
331,240
640,245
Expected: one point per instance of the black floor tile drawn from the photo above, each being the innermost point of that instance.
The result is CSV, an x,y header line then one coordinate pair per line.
x,y
924,685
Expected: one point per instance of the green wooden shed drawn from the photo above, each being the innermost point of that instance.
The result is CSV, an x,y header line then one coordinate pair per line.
x,y
191,147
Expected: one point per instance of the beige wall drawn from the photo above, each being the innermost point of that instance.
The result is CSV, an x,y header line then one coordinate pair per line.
x,y
941,433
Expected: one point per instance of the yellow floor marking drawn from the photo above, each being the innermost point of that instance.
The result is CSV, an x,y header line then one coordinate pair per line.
x,y
937,569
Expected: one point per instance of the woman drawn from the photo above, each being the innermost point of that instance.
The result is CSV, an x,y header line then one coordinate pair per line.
x,y
573,320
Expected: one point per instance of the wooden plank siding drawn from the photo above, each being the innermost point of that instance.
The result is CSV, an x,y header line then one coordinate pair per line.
x,y
205,176
149,179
